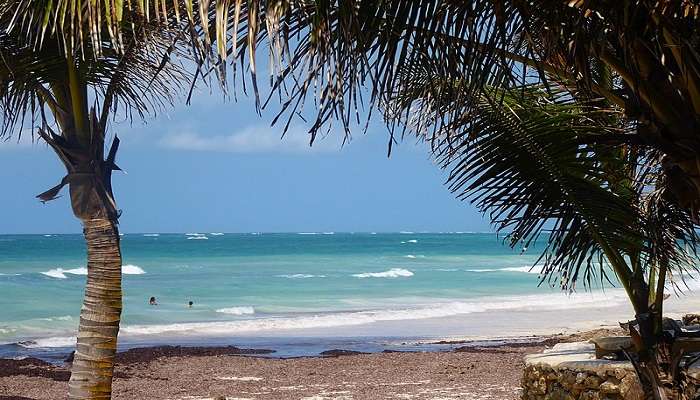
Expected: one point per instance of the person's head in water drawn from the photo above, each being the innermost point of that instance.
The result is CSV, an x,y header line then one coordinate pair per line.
x,y
152,301
190,304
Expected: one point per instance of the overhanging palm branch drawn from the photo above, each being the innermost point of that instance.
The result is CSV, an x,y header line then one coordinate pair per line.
x,y
534,161
69,95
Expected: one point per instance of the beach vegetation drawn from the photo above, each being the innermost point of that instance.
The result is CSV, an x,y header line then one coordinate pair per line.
x,y
63,88
577,119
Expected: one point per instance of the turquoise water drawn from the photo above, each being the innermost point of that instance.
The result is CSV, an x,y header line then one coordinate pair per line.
x,y
263,284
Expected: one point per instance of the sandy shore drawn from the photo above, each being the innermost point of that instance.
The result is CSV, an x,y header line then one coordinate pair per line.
x,y
223,373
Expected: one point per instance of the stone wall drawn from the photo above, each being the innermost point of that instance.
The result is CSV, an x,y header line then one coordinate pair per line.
x,y
569,371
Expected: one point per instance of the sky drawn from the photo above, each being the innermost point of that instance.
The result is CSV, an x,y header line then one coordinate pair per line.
x,y
216,165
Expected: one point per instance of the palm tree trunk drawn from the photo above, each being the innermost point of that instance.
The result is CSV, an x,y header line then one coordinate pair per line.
x,y
93,364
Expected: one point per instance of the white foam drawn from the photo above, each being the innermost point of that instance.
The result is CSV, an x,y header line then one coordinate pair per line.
x,y
130,269
56,341
409,256
409,241
300,276
61,318
406,233
1,274
537,269
151,234
307,233
60,273
392,273
555,301
194,234
245,310
216,233
197,238
329,233
48,235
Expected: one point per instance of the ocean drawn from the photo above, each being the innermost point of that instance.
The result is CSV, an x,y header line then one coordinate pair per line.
x,y
296,292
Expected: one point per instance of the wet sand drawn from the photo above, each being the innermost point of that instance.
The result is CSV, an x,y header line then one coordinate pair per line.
x,y
181,373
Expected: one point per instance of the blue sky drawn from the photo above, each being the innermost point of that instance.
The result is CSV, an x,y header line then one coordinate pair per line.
x,y
217,166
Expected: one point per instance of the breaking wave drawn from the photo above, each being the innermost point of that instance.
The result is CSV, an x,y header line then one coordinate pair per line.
x,y
237,310
537,269
60,273
300,276
392,273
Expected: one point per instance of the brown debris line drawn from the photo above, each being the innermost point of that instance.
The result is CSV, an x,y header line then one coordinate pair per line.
x,y
31,367
160,374
199,373
148,354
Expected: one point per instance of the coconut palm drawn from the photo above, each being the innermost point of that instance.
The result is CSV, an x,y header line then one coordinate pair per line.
x,y
66,91
639,58
533,159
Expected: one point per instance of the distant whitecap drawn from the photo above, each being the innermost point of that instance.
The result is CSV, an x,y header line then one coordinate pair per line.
x,y
130,269
202,237
151,234
60,273
217,233
392,273
300,276
537,269
245,310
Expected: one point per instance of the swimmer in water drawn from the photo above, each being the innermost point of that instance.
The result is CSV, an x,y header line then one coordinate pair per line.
x,y
152,301
190,304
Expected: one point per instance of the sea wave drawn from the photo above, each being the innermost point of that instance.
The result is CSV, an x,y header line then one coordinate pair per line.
x,y
151,234
130,269
216,233
409,241
300,276
245,310
61,318
338,319
60,273
537,269
201,237
392,273
55,341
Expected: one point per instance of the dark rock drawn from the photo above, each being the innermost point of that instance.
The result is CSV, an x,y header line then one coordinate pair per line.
x,y
32,367
340,352
148,354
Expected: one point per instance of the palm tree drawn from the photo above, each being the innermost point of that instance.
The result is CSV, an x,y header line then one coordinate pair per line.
x,y
67,90
533,160
638,58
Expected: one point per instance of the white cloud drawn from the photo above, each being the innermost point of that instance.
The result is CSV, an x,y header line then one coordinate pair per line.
x,y
254,139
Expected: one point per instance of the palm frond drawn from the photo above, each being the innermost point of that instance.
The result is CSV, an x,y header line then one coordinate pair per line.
x,y
143,78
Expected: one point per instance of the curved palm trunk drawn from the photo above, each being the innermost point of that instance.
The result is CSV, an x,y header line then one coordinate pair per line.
x,y
93,364
92,200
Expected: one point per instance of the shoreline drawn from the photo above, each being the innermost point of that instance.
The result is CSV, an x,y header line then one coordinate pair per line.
x,y
467,370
